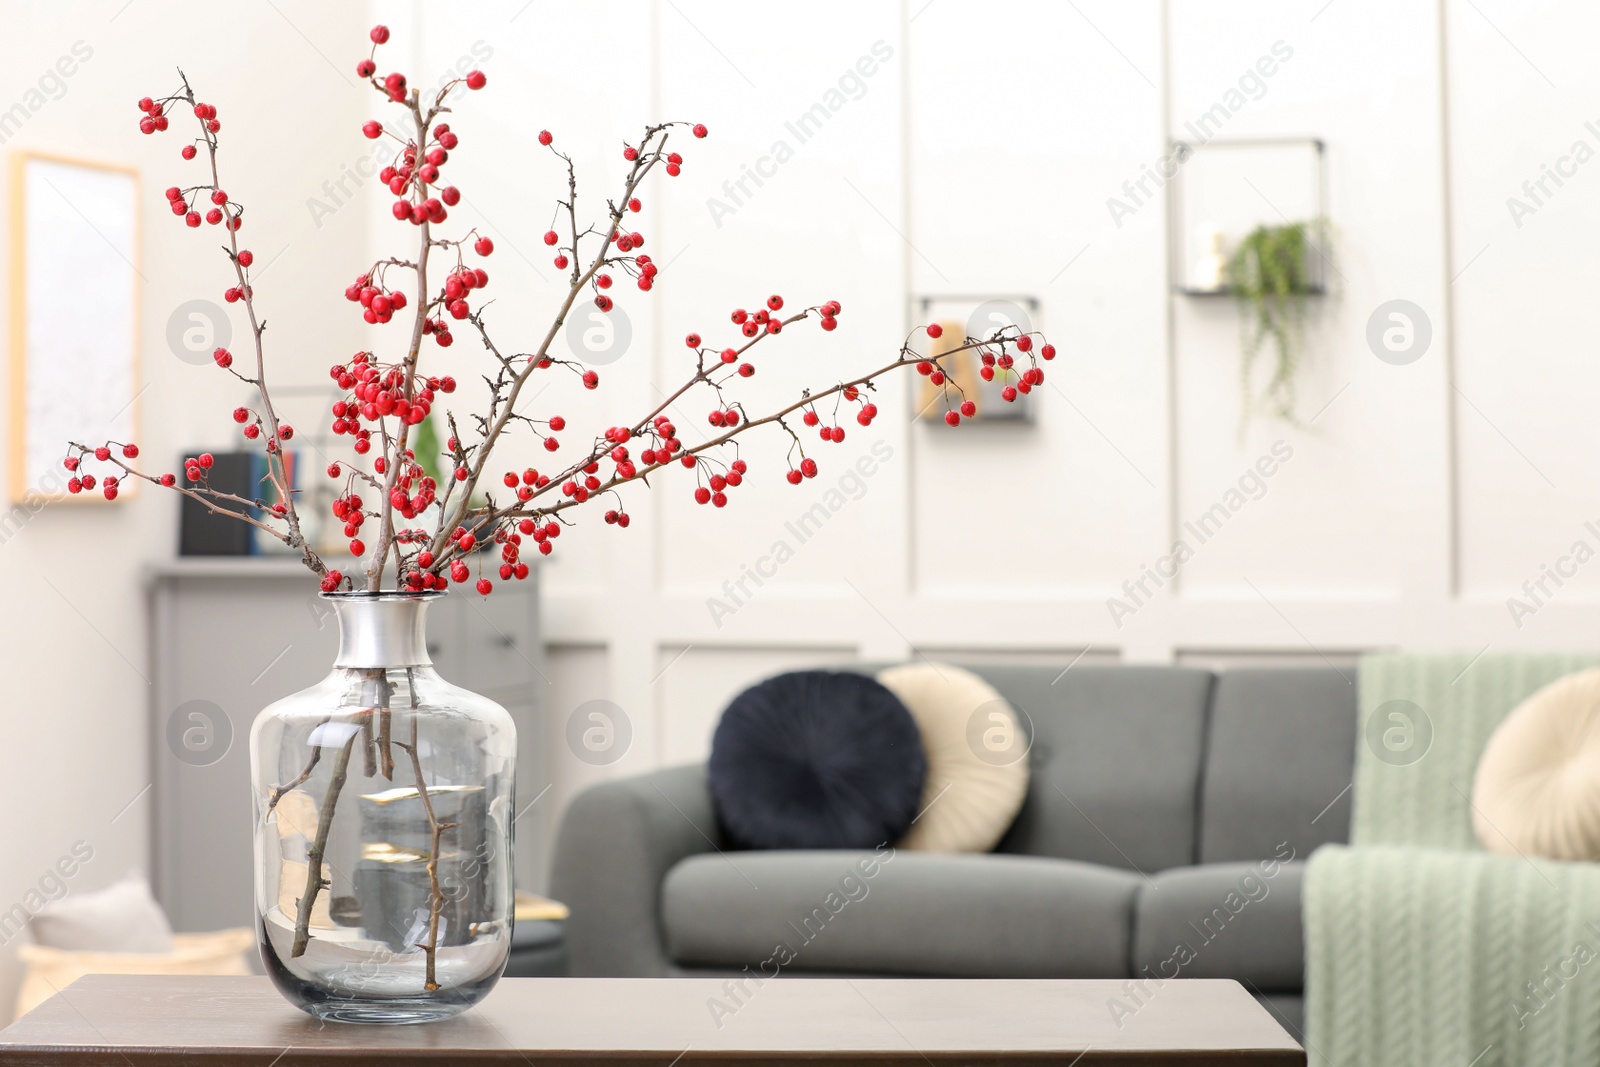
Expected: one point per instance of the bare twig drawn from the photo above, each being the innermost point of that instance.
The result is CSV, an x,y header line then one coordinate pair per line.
x,y
318,850
437,830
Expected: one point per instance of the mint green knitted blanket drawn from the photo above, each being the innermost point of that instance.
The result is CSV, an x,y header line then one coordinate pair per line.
x,y
1421,948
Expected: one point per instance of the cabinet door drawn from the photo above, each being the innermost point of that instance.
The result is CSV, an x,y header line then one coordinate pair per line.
x,y
224,648
503,658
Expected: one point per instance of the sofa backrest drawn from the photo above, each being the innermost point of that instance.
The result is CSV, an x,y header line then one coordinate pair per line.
x,y
1115,761
1279,757
1147,768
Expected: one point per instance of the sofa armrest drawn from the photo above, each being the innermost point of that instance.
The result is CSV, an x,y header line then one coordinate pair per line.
x,y
617,842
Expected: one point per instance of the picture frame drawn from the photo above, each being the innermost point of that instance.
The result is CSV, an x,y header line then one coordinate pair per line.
x,y
74,317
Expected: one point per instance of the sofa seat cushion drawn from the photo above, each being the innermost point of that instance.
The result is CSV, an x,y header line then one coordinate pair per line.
x,y
910,913
1223,920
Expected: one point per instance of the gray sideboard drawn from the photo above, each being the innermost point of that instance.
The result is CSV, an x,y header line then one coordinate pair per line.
x,y
230,636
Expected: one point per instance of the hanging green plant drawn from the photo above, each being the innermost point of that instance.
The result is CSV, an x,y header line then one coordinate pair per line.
x,y
1270,273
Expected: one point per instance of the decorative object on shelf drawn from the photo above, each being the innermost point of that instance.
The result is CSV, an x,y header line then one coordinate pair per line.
x,y
382,795
73,361
1263,240
1210,269
996,386
1269,274
816,759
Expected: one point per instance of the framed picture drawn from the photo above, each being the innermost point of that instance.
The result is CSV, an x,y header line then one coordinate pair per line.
x,y
974,317
74,316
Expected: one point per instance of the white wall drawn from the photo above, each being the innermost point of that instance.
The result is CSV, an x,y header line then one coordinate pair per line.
x,y
978,159
1411,508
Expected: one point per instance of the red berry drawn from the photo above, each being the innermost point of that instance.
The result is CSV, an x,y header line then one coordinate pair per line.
x,y
935,331
952,418
699,129
1047,351
188,151
485,586
168,480
693,340
102,454
476,80
551,237
357,547
775,302
366,68
373,129
246,258
968,408
379,34
702,495
130,451
808,467
484,246
544,137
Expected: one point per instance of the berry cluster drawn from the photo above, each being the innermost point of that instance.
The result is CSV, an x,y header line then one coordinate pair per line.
x,y
428,533
377,305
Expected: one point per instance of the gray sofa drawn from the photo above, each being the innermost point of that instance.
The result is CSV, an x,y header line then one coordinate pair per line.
x,y
1168,817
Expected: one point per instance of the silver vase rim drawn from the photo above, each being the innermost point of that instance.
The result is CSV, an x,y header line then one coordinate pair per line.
x,y
384,594
382,629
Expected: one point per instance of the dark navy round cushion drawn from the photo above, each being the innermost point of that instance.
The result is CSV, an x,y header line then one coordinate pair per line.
x,y
816,759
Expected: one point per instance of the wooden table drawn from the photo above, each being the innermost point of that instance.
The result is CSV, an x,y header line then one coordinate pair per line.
x,y
133,1021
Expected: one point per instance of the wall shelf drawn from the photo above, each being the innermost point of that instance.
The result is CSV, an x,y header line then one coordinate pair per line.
x,y
1224,189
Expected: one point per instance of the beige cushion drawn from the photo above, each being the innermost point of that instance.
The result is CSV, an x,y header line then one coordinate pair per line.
x,y
977,757
51,970
1537,790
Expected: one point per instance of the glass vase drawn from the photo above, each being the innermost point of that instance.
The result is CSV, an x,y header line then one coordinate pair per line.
x,y
383,828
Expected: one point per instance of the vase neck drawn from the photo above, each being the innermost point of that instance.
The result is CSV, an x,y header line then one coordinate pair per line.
x,y
382,630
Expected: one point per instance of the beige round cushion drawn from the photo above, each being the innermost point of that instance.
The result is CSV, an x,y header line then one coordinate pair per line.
x,y
1537,790
977,757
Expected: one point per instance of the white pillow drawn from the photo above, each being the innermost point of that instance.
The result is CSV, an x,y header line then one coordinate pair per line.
x,y
977,757
1537,789
122,917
